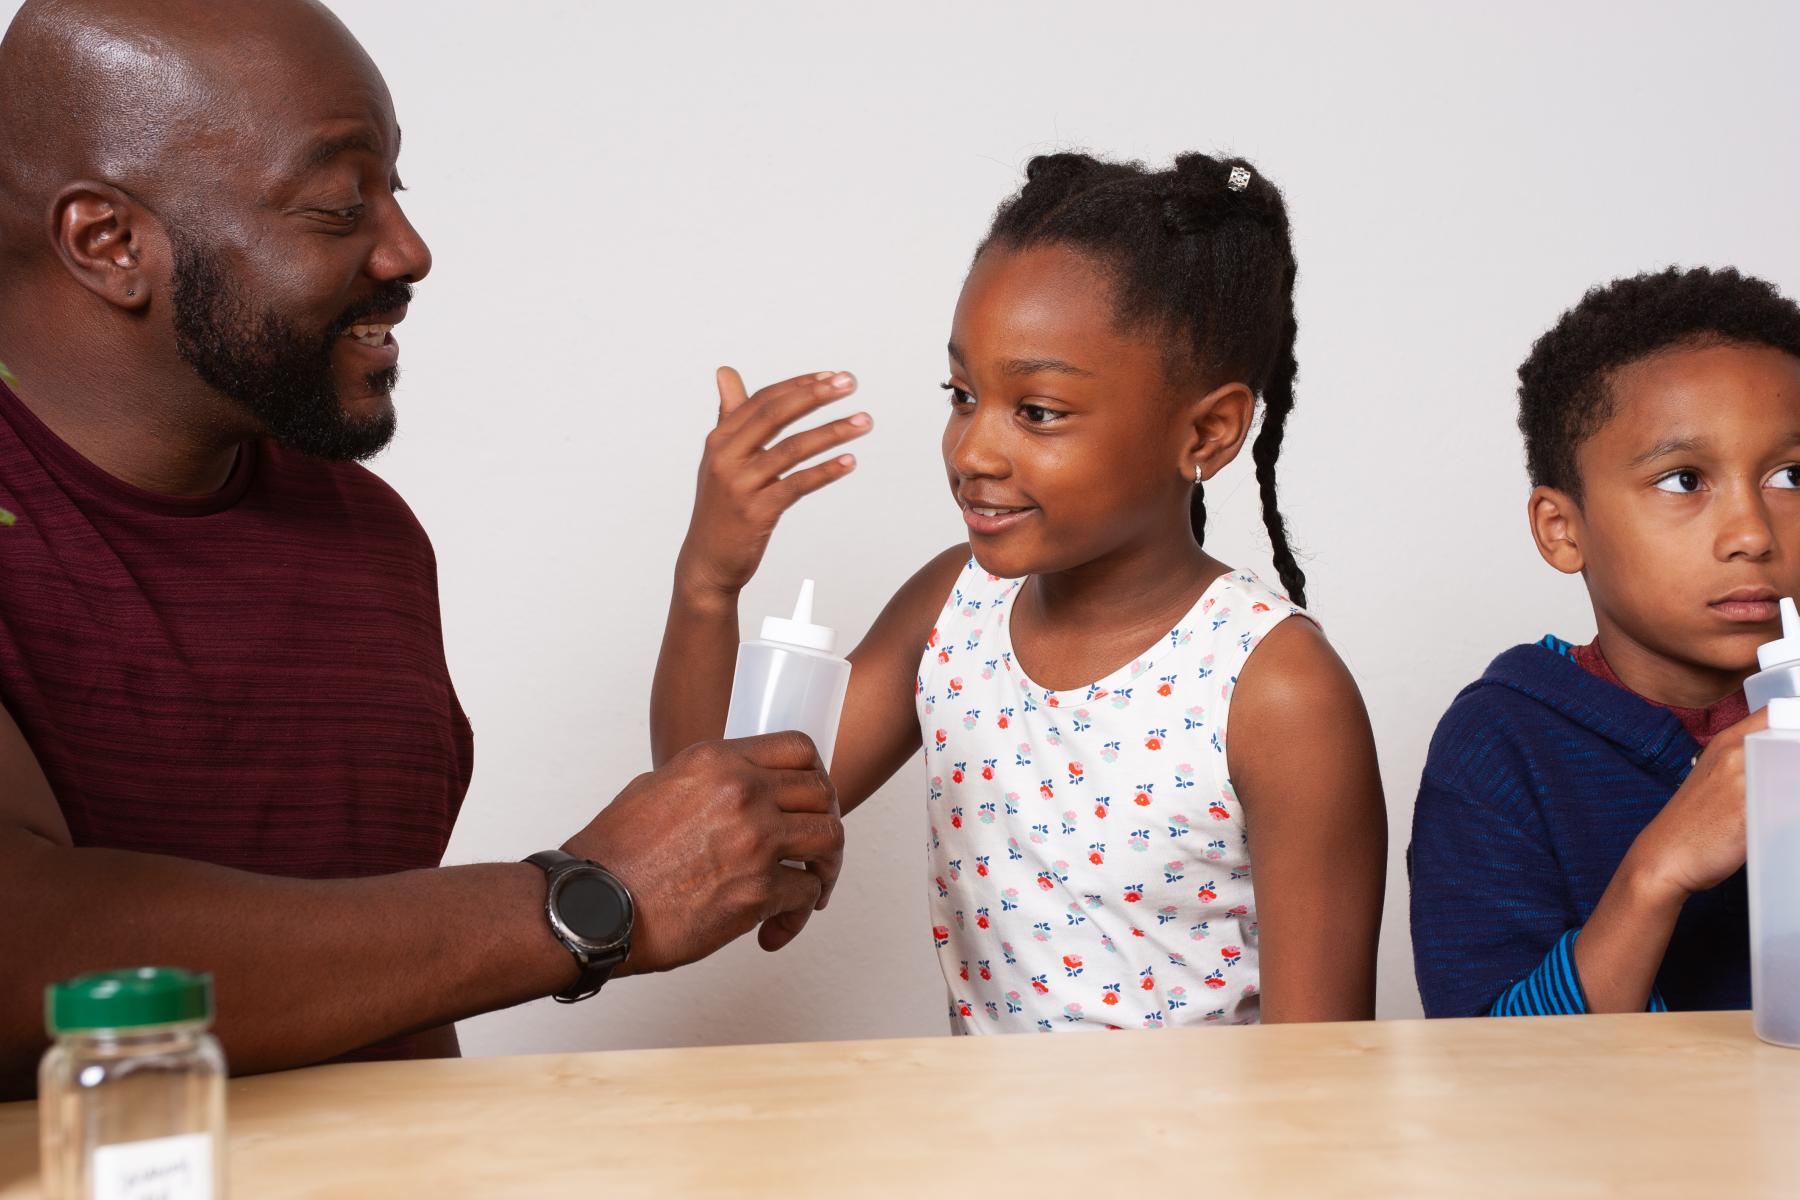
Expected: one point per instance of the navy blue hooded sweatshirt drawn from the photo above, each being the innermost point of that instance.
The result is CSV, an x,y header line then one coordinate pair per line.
x,y
1539,778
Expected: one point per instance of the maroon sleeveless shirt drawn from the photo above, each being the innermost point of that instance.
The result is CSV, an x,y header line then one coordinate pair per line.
x,y
254,678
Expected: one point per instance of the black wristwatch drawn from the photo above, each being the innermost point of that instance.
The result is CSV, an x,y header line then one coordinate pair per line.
x,y
591,913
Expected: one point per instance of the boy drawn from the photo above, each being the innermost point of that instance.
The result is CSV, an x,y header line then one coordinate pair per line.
x,y
1578,842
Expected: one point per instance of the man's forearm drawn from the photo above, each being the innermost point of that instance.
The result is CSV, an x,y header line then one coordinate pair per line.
x,y
304,969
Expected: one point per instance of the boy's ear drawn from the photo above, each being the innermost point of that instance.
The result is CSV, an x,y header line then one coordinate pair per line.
x,y
100,236
1219,422
1556,527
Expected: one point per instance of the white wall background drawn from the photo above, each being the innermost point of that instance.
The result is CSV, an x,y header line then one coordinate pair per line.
x,y
621,197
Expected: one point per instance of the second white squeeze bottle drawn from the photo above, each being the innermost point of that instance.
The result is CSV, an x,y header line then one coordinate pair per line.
x,y
790,678
1772,839
1779,660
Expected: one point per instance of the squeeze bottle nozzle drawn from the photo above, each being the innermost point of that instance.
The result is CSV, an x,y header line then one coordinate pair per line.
x,y
1786,648
799,629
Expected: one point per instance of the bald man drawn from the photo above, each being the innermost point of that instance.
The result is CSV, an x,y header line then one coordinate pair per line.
x,y
228,738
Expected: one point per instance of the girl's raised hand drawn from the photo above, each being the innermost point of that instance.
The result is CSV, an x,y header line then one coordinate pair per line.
x,y
747,478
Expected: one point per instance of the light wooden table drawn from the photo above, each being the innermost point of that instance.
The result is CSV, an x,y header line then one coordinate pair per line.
x,y
1683,1105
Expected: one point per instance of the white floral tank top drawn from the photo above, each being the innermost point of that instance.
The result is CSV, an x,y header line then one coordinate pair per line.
x,y
1088,864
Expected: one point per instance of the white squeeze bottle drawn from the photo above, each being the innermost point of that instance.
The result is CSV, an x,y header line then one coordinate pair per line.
x,y
790,678
1772,842
1779,660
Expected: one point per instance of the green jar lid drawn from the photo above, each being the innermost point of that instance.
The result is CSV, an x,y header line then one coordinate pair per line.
x,y
133,999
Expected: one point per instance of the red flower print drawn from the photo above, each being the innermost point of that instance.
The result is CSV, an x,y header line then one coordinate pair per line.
x,y
987,772
1214,983
964,1009
1072,961
943,656
1259,606
1163,690
956,820
1154,743
940,934
1143,799
1230,953
1095,857
1110,998
956,685
1045,882
1149,984
986,974
1075,770
965,972
932,640
1207,895
956,776
981,922
1137,933
1132,895
1003,722
1040,987
1053,702
1218,812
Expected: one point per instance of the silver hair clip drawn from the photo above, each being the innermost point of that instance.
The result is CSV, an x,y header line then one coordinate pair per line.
x,y
1239,179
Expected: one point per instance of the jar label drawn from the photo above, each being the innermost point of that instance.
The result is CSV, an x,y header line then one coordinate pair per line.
x,y
170,1168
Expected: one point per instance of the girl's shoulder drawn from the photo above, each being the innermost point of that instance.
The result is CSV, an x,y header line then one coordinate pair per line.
x,y
1242,598
1287,667
1232,618
909,617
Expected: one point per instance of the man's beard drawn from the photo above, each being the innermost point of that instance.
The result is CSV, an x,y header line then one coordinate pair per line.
x,y
275,371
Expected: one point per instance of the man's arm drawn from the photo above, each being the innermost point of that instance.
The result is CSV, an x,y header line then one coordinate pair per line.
x,y
309,969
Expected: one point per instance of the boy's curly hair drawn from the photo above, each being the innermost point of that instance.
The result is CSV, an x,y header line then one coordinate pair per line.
x,y
1564,383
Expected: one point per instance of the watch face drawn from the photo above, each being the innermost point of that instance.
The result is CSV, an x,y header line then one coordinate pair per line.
x,y
594,908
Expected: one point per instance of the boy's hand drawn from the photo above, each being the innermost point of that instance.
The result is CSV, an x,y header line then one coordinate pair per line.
x,y
1697,841
745,482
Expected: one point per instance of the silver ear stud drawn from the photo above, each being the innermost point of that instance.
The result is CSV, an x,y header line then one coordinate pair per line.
x,y
1239,179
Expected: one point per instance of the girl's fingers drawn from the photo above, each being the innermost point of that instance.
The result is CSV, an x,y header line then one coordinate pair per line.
x,y
775,408
789,453
786,491
731,392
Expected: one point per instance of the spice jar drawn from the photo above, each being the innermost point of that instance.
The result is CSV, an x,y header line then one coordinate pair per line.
x,y
131,1097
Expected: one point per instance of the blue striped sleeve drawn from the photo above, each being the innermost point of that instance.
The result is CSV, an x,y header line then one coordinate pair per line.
x,y
1554,987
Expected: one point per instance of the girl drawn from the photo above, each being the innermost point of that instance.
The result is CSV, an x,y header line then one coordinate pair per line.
x,y
1072,672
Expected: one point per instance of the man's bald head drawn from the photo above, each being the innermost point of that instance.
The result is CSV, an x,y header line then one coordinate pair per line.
x,y
199,196
148,95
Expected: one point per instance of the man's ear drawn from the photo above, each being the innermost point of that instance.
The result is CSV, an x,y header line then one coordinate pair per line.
x,y
100,236
1219,421
1556,527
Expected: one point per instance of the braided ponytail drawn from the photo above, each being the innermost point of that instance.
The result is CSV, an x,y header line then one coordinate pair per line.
x,y
1278,402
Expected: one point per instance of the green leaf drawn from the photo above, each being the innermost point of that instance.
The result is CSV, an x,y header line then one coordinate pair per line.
x,y
6,518
7,376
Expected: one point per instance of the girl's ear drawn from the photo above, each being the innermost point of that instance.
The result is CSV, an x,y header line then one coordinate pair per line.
x,y
1556,527
1218,423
